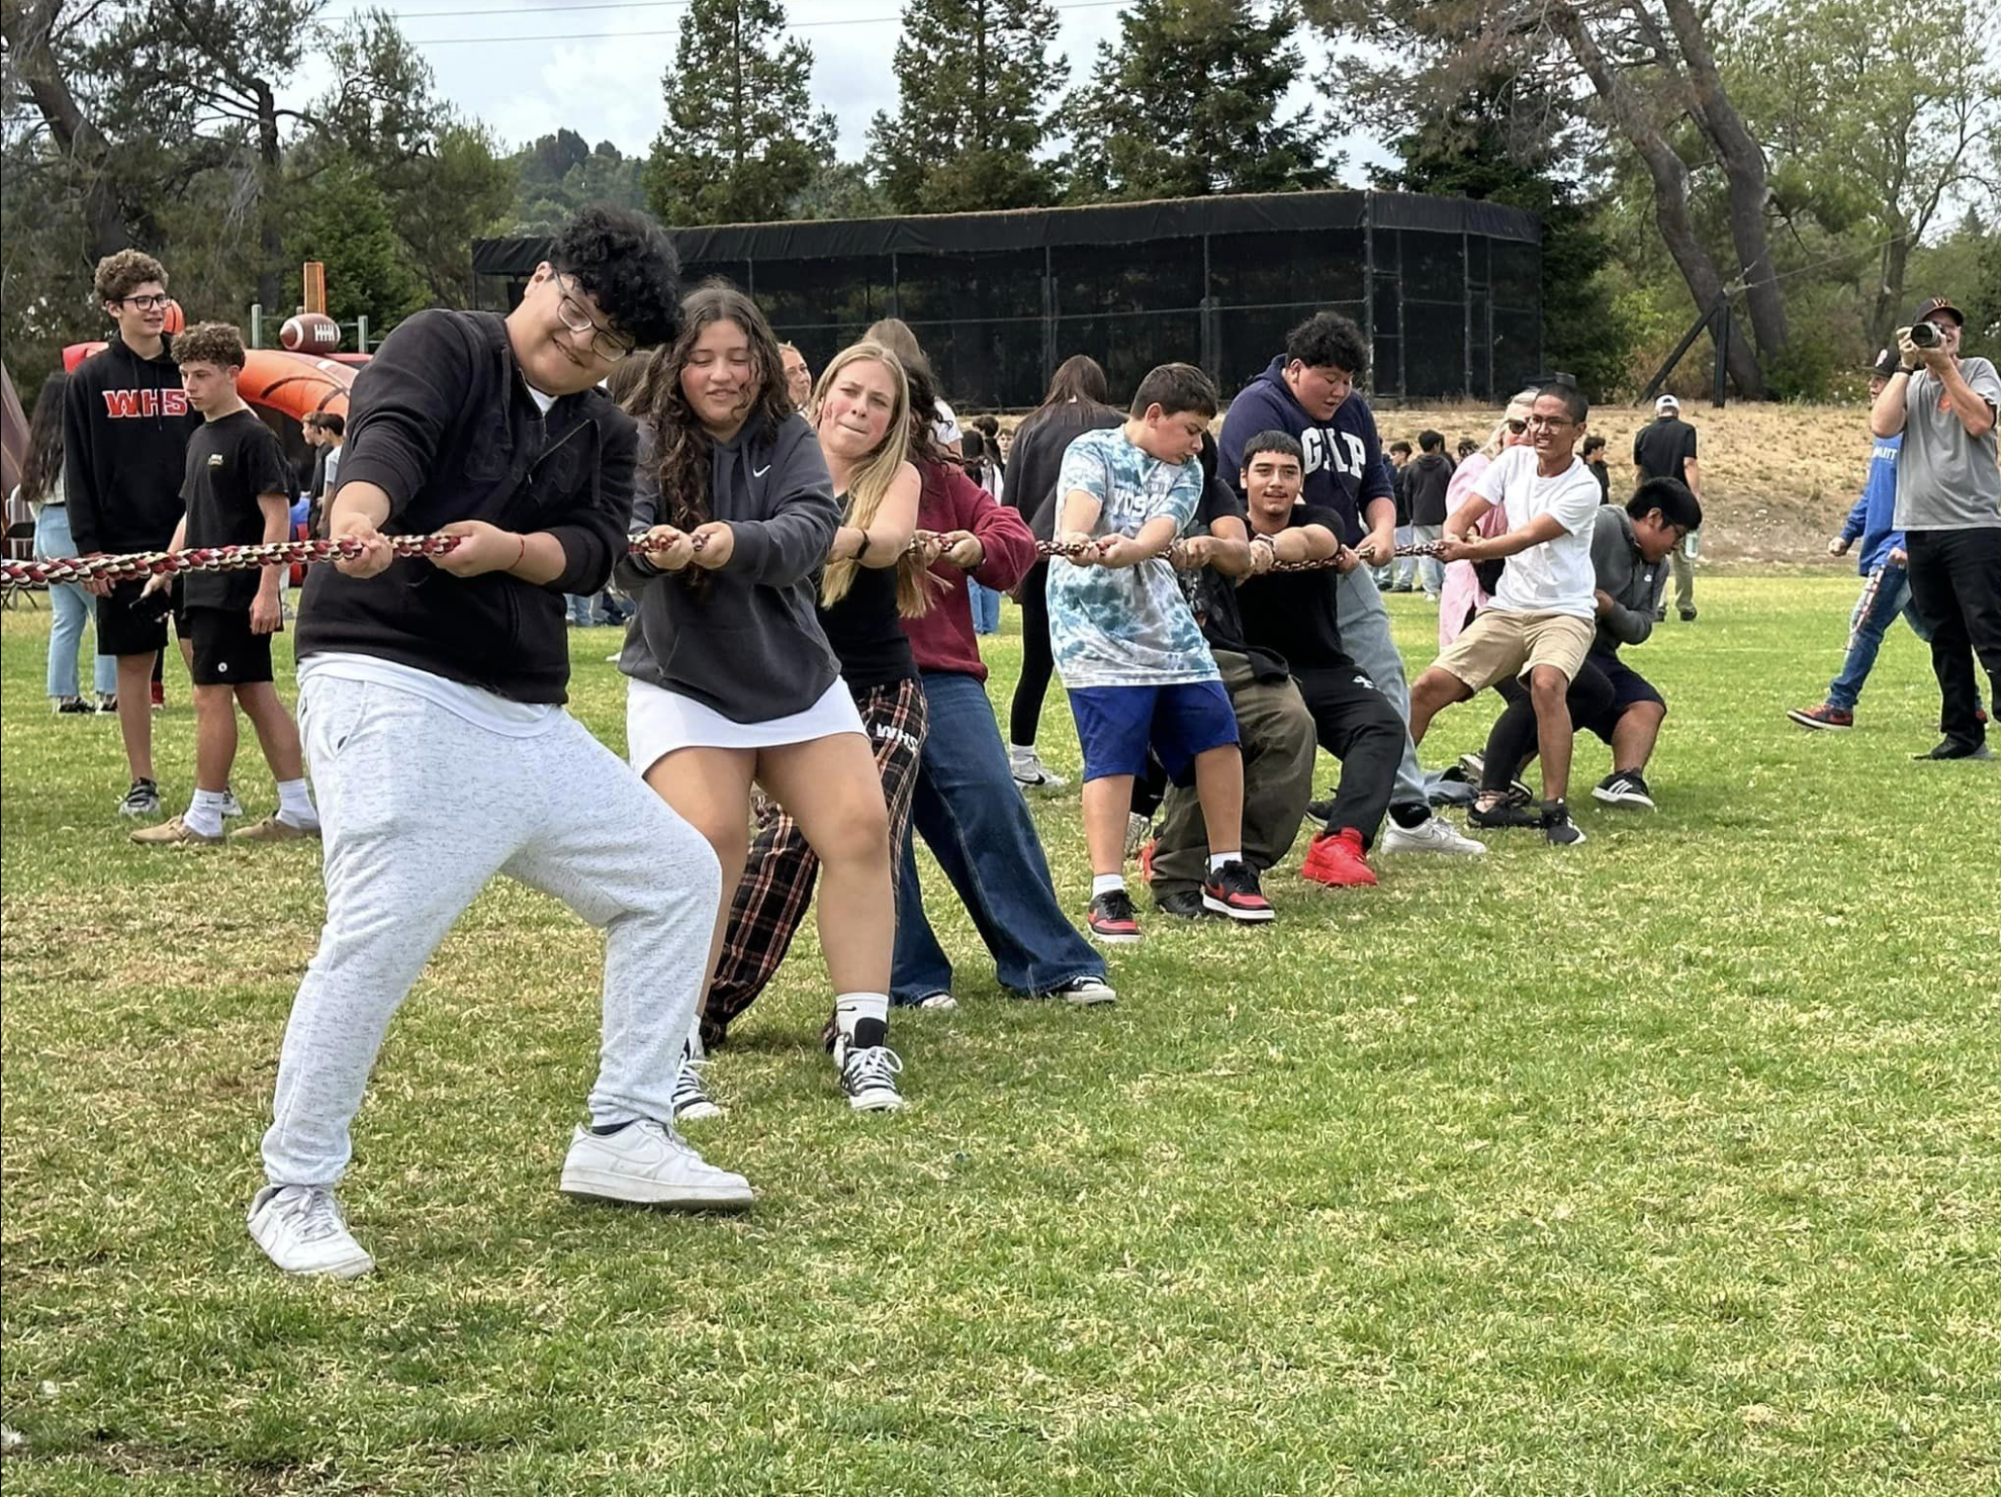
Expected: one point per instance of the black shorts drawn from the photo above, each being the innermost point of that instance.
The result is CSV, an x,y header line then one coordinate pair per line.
x,y
1628,688
226,652
128,626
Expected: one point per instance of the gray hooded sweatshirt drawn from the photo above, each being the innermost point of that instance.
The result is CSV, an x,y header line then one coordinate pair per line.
x,y
748,643
1635,584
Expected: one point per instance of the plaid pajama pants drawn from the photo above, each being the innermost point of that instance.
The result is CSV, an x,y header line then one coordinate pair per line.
x,y
779,875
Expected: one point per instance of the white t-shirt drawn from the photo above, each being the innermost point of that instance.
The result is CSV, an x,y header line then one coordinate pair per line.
x,y
1556,576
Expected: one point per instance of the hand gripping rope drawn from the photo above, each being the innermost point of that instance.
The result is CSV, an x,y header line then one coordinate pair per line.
x,y
139,564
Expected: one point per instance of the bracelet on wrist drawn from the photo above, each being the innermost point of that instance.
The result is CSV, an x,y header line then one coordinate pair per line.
x,y
861,546
520,555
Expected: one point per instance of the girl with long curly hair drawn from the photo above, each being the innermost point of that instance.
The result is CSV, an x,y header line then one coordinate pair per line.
x,y
769,544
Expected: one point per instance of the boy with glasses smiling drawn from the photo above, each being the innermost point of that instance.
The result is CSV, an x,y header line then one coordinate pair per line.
x,y
126,424
430,693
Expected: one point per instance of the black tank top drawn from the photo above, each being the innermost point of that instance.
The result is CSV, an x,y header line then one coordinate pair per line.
x,y
865,634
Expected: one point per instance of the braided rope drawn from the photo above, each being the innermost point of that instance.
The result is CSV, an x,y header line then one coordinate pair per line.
x,y
140,564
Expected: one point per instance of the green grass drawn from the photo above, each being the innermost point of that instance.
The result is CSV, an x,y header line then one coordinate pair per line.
x,y
1667,1165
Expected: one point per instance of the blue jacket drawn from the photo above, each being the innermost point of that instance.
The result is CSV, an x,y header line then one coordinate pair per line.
x,y
1870,519
1344,457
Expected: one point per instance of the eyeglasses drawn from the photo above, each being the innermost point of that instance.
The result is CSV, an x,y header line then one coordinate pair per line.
x,y
145,303
1550,423
604,343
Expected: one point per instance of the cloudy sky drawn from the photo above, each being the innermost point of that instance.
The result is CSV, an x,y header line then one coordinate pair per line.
x,y
529,66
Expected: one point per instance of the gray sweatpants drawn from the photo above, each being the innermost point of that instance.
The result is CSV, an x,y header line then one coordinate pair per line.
x,y
1365,634
419,809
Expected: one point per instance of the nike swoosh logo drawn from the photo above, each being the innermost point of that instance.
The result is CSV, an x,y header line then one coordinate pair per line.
x,y
760,472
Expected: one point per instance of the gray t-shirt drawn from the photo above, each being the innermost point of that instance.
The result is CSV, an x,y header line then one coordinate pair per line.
x,y
1945,479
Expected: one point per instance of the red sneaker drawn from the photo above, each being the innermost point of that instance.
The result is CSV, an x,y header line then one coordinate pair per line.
x,y
159,696
1821,717
1338,860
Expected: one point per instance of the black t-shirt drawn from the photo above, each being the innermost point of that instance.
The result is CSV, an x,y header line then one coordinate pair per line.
x,y
1661,447
1292,613
230,462
863,629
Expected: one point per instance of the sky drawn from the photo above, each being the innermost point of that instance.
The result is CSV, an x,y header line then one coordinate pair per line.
x,y
595,65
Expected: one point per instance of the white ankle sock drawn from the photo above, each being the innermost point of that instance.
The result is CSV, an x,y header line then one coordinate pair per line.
x,y
1218,859
1107,883
1018,751
295,805
204,813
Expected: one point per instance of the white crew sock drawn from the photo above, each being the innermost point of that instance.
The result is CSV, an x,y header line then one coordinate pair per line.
x,y
295,805
1107,883
1021,751
1218,859
204,814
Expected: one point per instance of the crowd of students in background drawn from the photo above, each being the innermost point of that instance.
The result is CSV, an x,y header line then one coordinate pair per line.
x,y
808,563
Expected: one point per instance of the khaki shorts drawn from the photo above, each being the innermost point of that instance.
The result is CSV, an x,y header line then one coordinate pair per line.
x,y
1497,645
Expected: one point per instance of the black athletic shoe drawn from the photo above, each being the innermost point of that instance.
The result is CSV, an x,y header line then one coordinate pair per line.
x,y
1626,787
1114,920
1233,890
1951,749
1320,812
1558,827
1688,615
1509,812
1186,905
143,799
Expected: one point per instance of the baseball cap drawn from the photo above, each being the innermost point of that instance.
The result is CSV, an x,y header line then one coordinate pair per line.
x,y
1666,403
1931,306
1887,363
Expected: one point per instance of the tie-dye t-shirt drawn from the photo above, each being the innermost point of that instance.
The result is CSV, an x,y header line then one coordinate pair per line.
x,y
1129,626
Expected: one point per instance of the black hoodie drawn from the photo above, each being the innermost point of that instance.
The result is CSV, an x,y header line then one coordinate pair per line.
x,y
443,422
1428,478
126,424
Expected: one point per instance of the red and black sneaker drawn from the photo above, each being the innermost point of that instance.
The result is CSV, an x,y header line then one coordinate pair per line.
x,y
1146,860
1822,717
1338,860
1233,890
1113,919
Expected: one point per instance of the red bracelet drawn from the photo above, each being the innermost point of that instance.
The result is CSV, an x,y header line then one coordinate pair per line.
x,y
521,553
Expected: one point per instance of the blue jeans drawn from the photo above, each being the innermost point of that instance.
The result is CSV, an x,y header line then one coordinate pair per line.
x,y
1886,593
580,609
986,607
974,820
72,606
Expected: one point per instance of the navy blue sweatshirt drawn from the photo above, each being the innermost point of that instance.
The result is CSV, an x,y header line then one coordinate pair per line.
x,y
126,424
1344,466
441,419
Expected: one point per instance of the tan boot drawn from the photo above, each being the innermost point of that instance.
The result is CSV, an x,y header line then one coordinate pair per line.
x,y
174,833
272,829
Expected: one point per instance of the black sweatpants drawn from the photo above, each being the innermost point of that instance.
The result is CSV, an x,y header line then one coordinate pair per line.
x,y
1357,725
1037,663
1515,739
1956,589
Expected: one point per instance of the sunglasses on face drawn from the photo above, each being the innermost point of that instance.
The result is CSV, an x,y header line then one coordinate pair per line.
x,y
1517,427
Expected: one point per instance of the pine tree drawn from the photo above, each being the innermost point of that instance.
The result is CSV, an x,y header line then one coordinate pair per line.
x,y
974,80
1186,105
742,138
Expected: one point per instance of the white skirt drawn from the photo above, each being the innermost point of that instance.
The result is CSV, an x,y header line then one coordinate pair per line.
x,y
657,722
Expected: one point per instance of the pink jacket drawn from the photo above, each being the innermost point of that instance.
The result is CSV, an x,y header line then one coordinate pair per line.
x,y
1461,597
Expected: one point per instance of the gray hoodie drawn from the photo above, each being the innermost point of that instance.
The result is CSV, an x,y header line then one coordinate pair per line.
x,y
748,644
1634,583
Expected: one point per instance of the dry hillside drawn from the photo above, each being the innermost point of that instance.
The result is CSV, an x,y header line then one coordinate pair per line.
x,y
1776,479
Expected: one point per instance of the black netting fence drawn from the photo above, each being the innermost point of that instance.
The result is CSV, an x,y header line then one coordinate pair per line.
x,y
1448,290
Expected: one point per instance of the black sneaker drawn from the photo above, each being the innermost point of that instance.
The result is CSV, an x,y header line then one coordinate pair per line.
x,y
1320,812
1507,813
1558,827
1114,920
143,799
74,707
1688,615
1625,787
1952,748
1233,890
1186,905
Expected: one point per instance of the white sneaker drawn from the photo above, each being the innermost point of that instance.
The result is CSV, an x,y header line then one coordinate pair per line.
x,y
868,1076
302,1230
649,1164
1031,773
1433,834
1139,832
937,1002
692,1102
231,806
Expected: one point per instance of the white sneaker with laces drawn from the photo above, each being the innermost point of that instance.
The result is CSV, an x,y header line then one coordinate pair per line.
x,y
692,1102
1084,990
868,1076
1031,773
302,1230
648,1164
1433,834
937,1002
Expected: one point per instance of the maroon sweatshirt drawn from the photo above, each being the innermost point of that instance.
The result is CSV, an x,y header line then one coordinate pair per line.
x,y
942,638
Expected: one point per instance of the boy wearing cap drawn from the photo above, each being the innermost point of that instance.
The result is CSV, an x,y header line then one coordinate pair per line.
x,y
1949,508
1666,449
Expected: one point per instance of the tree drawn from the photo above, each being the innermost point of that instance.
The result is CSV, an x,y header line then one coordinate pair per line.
x,y
742,138
1651,69
841,189
559,174
1186,105
974,79
1467,152
345,224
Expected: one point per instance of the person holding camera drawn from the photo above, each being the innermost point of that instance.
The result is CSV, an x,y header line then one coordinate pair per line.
x,y
1949,508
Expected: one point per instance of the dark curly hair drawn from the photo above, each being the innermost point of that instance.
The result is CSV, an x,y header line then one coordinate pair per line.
x,y
1327,340
217,343
628,264
680,441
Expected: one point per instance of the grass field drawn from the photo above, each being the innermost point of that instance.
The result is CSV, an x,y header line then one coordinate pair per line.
x,y
1669,1164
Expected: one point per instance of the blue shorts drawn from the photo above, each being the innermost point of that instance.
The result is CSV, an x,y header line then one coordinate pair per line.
x,y
1629,687
1117,724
